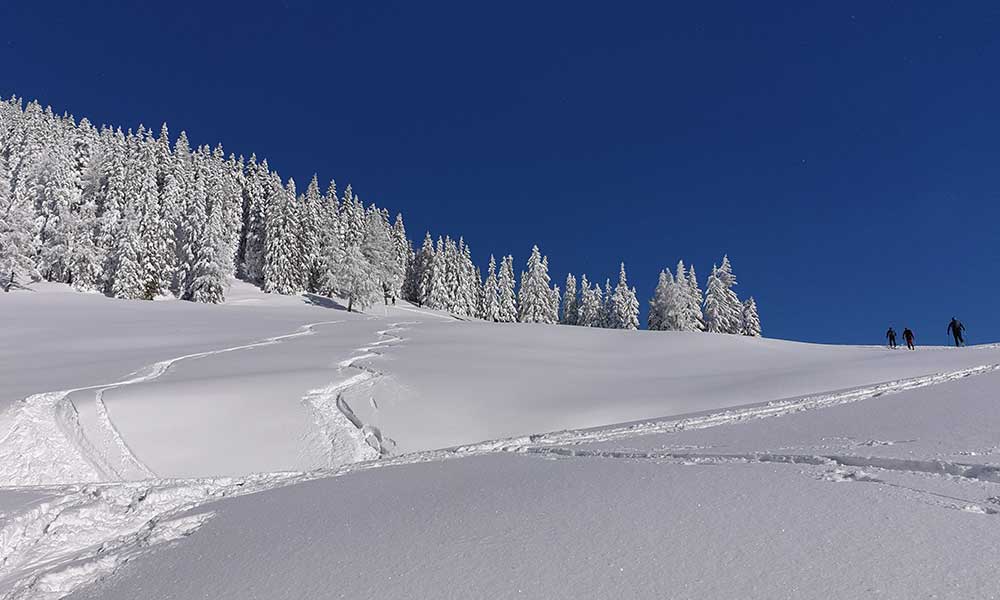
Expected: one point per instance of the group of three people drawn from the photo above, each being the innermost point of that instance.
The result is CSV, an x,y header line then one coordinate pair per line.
x,y
955,328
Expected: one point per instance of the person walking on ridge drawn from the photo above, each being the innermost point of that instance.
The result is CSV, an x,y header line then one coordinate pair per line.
x,y
955,328
908,337
891,335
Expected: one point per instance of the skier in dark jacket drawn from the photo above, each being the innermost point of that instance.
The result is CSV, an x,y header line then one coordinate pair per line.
x,y
908,336
891,335
956,328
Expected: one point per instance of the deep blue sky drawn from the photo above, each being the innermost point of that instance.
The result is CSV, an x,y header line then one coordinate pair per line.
x,y
845,155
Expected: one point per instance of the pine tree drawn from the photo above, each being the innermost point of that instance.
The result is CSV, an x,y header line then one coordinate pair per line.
x,y
352,278
624,305
693,317
506,300
723,309
128,282
591,305
571,308
55,190
210,275
607,309
750,320
152,230
377,248
309,236
660,304
438,296
424,271
17,251
403,255
281,275
491,298
534,297
255,204
83,256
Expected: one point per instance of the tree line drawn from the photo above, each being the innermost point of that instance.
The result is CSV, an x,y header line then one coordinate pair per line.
x,y
135,215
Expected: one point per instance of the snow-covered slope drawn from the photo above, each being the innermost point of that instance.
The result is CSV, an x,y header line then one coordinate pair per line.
x,y
691,465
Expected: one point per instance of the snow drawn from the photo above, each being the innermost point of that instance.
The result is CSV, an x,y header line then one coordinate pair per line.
x,y
281,447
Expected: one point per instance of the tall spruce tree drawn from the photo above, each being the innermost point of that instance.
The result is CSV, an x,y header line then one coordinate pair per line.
x,y
571,307
750,320
491,298
534,296
660,304
506,300
624,313
591,305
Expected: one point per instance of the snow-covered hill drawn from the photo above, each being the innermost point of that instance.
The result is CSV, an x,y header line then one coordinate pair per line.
x,y
280,447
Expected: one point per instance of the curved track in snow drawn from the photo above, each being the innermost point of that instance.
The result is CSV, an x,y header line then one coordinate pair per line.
x,y
45,444
83,530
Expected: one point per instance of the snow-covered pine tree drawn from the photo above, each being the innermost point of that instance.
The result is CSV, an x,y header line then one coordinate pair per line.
x,y
608,310
571,307
439,297
424,271
330,237
17,250
491,299
591,304
128,282
231,178
209,277
255,187
83,256
190,172
535,297
723,310
624,305
734,308
719,316
352,278
402,253
153,231
506,300
471,281
715,318
55,190
660,305
280,257
111,201
554,298
308,206
693,317
750,320
377,248
293,222
453,277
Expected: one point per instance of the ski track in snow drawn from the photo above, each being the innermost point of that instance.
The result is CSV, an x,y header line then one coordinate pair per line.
x,y
85,531
82,532
45,444
334,416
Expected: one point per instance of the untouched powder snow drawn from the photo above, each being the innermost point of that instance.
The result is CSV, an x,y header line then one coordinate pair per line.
x,y
280,447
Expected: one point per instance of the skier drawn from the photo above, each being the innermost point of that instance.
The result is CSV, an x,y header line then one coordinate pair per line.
x,y
908,336
955,328
891,334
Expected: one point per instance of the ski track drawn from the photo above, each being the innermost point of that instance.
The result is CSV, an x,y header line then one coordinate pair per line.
x,y
82,532
332,413
45,444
